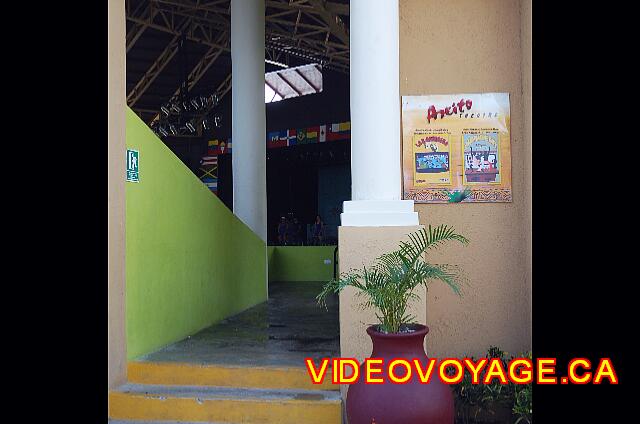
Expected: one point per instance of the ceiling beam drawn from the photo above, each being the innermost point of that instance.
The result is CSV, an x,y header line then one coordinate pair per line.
x,y
224,87
166,26
337,27
204,28
154,70
337,8
156,67
145,12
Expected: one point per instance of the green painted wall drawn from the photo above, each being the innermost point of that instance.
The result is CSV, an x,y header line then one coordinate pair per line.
x,y
189,261
300,263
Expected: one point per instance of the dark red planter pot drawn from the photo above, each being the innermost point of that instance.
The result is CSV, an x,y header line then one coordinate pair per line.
x,y
391,403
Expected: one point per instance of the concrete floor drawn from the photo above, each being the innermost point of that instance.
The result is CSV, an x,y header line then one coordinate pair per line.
x,y
289,327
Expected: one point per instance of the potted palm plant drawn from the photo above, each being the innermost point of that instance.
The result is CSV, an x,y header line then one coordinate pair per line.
x,y
387,286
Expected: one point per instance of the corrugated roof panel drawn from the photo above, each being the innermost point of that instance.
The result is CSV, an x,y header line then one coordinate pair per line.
x,y
293,82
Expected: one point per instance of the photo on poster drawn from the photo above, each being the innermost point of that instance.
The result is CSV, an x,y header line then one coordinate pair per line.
x,y
481,150
432,161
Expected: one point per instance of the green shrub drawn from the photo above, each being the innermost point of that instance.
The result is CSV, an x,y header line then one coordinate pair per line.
x,y
390,283
489,403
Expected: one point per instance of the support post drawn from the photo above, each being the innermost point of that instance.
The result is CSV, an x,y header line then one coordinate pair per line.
x,y
376,180
248,127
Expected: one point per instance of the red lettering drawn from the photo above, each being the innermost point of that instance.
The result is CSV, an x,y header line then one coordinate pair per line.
x,y
431,113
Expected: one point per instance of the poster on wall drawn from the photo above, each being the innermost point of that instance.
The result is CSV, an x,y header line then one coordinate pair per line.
x,y
456,148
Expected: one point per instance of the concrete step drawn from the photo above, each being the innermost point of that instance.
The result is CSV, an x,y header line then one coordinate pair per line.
x,y
189,374
224,404
155,422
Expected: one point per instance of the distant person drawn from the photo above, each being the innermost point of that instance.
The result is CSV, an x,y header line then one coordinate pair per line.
x,y
297,232
282,231
292,230
318,231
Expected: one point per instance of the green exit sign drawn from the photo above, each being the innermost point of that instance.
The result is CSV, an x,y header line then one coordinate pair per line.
x,y
133,166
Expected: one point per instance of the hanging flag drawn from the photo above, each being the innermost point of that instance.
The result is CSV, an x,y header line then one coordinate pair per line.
x,y
292,137
212,147
212,184
225,147
209,160
339,131
208,171
301,134
323,133
209,180
312,134
277,139
217,147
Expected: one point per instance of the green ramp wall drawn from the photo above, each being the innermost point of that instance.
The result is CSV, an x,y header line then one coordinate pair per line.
x,y
300,263
189,261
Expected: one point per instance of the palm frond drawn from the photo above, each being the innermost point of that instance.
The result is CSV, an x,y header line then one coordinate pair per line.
x,y
389,284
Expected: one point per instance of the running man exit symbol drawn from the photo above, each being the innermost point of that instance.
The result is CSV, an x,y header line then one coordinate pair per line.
x,y
133,162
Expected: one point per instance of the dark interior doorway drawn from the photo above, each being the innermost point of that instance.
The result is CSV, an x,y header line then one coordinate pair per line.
x,y
302,181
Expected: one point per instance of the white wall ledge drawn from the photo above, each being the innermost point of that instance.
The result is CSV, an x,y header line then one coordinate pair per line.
x,y
378,213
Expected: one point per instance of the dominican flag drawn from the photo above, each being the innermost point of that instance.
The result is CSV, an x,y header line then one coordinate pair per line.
x,y
340,131
277,139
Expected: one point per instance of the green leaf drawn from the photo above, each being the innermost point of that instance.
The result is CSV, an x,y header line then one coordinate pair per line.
x,y
389,284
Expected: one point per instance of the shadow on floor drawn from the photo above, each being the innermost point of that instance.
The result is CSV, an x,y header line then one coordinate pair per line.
x,y
284,331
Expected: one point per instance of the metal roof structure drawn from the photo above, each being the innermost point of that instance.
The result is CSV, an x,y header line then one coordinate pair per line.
x,y
174,44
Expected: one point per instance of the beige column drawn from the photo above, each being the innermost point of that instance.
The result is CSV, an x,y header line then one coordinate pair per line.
x,y
117,354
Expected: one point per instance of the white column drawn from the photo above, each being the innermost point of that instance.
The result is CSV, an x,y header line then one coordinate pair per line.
x,y
375,118
248,127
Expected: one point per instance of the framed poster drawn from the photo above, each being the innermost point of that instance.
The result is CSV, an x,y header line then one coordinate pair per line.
x,y
456,148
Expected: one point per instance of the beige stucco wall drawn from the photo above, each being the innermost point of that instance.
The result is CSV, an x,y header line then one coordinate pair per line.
x,y
116,195
525,40
357,247
471,46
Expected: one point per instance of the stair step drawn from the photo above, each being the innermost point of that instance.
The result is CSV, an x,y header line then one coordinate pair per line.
x,y
224,404
155,422
187,374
